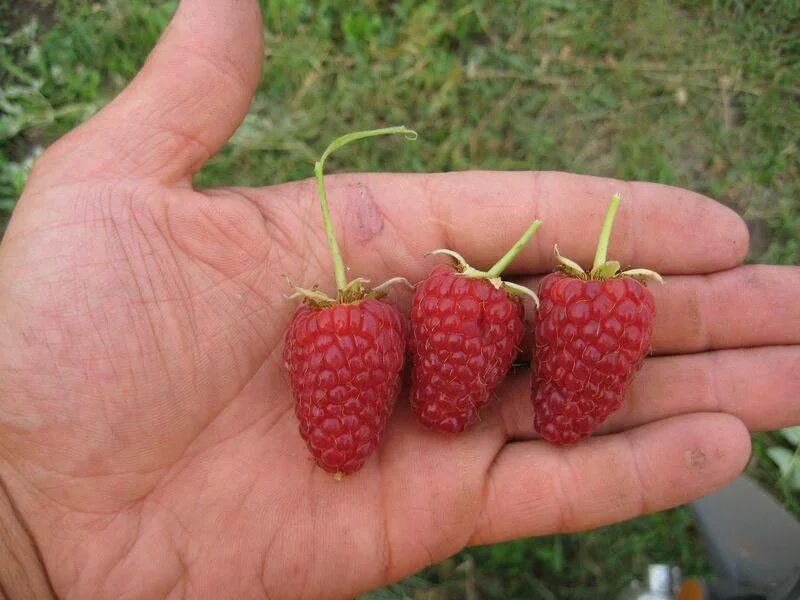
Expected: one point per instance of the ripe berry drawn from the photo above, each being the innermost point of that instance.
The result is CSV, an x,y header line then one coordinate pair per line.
x,y
466,328
344,363
592,334
344,355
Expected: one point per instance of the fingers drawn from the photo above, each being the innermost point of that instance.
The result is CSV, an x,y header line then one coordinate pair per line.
x,y
534,488
188,99
386,223
759,386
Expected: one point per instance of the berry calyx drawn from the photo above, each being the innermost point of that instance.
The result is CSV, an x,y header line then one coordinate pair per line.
x,y
355,290
603,269
493,274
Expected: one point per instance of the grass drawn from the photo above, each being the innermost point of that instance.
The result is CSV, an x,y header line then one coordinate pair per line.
x,y
700,95
575,567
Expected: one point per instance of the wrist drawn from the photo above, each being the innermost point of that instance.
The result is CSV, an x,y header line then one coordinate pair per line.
x,y
22,571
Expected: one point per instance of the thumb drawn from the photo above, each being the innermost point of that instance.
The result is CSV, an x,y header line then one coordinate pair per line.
x,y
188,99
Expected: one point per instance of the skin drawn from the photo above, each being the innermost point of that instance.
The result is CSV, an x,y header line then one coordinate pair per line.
x,y
147,436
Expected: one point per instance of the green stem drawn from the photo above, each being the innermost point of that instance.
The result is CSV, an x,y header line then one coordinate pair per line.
x,y
605,233
501,264
336,254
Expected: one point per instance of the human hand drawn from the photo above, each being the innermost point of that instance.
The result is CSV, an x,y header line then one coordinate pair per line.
x,y
146,425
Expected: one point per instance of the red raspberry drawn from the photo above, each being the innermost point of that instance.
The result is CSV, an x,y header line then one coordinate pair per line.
x,y
466,328
344,354
591,337
344,364
465,334
592,334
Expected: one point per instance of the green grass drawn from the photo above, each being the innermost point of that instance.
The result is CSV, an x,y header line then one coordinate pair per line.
x,y
575,567
700,95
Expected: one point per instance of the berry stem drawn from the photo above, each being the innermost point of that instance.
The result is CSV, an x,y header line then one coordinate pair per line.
x,y
509,256
336,254
605,234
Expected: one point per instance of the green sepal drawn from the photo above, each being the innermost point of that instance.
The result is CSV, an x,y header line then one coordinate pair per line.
x,y
312,297
570,267
643,275
514,289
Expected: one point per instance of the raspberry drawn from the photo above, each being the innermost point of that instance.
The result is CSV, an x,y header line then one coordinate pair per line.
x,y
591,337
344,355
465,334
466,328
344,364
592,334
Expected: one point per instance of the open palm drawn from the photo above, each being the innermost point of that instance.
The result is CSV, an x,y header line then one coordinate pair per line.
x,y
147,434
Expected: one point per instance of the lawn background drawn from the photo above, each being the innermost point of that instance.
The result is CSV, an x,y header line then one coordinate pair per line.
x,y
704,95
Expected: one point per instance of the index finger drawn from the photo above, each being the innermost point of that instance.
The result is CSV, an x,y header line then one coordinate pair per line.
x,y
401,217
